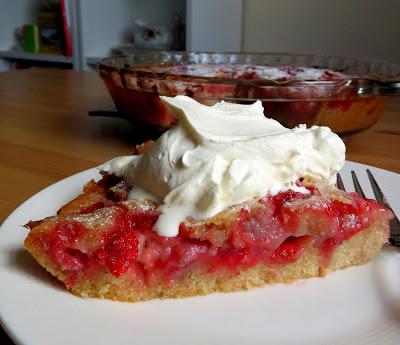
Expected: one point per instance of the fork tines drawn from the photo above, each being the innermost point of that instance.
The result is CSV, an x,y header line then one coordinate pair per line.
x,y
357,185
339,182
380,198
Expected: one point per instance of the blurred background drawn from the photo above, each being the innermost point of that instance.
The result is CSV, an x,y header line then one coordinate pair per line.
x,y
77,33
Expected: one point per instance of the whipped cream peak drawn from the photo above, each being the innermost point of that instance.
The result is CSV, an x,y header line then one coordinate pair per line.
x,y
223,121
221,155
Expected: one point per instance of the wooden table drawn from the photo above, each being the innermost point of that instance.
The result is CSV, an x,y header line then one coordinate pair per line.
x,y
46,133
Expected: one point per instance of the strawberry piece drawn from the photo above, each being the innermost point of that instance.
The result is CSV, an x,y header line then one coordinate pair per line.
x,y
287,252
122,251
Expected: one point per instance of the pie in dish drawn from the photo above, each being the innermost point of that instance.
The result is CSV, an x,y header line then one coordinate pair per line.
x,y
132,235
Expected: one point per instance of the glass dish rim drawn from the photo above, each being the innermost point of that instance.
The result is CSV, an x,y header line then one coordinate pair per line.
x,y
109,64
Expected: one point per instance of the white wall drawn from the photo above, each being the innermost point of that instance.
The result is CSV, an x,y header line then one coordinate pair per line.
x,y
353,28
214,25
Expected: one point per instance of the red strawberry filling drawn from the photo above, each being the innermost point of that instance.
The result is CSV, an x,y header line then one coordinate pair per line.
x,y
275,232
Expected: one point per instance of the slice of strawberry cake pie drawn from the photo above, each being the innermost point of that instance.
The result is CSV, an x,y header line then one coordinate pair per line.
x,y
226,200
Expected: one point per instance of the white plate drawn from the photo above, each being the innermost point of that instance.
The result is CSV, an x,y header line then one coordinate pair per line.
x,y
360,305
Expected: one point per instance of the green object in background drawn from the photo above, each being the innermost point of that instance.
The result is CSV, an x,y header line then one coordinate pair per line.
x,y
31,38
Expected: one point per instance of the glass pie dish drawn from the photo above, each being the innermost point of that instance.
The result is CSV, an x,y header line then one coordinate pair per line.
x,y
342,93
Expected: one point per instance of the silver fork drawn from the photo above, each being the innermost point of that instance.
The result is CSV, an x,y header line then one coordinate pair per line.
x,y
394,224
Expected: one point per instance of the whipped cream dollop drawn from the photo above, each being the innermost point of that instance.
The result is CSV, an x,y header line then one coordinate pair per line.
x,y
221,155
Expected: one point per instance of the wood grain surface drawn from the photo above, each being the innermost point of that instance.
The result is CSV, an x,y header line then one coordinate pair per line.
x,y
46,133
